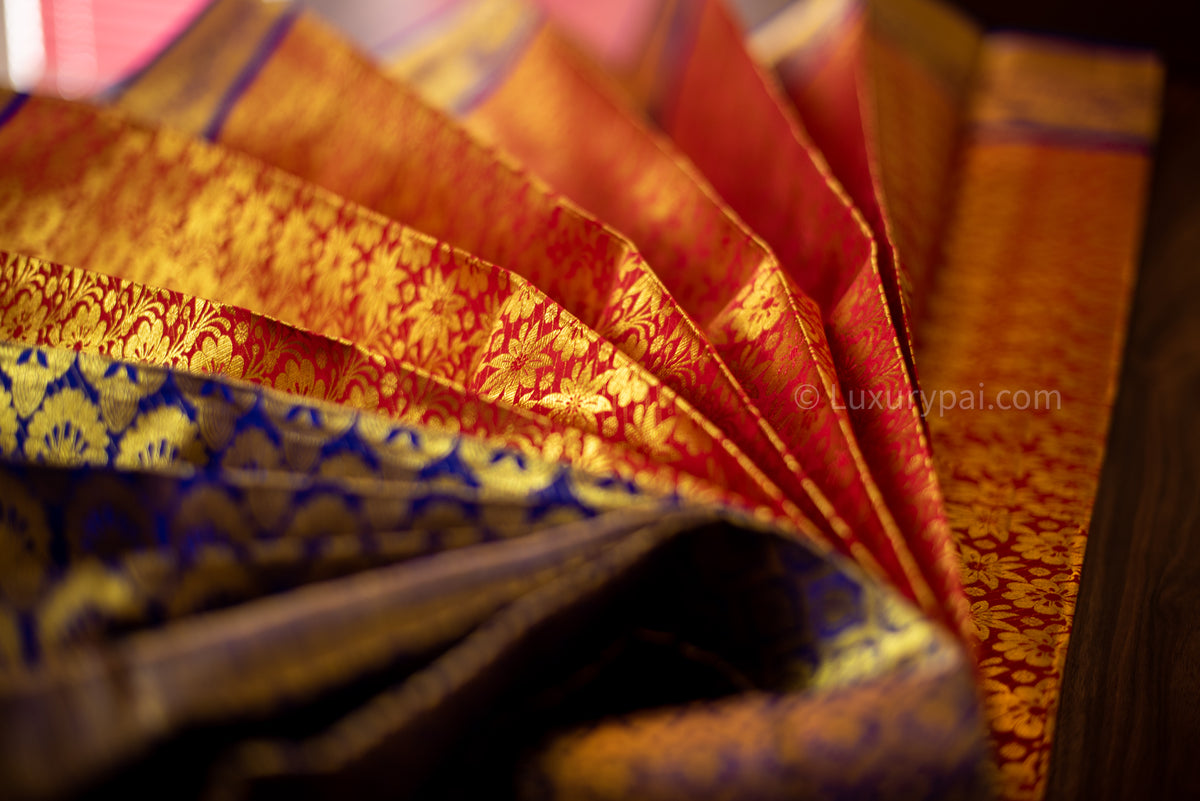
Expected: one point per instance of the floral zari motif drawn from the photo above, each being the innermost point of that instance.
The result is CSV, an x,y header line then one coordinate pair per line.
x,y
213,223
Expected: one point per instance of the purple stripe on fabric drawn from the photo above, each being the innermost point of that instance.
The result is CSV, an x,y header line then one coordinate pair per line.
x,y
12,108
250,71
1027,132
413,27
502,64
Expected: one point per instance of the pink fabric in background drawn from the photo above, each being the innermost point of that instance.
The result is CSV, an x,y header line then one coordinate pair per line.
x,y
614,29
92,44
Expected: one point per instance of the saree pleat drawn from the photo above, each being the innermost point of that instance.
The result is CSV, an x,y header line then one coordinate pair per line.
x,y
822,51
919,65
824,246
306,50
51,305
401,158
210,218
342,456
744,300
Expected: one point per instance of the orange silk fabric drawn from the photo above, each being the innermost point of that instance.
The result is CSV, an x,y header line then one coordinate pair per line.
x,y
725,115
767,339
1027,316
158,208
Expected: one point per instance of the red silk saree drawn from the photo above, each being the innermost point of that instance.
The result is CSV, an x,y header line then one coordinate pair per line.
x,y
662,400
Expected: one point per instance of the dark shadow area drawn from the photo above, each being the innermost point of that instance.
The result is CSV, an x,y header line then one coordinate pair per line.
x,y
1168,26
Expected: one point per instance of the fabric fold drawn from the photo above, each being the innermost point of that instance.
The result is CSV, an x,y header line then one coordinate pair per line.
x,y
383,147
214,222
742,299
724,114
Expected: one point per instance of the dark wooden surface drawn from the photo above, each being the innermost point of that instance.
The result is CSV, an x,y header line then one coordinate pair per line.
x,y
1171,27
1129,721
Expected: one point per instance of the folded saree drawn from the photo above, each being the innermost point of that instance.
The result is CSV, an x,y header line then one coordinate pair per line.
x,y
221,588
707,477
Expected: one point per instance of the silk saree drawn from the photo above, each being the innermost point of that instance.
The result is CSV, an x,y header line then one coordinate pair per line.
x,y
655,400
